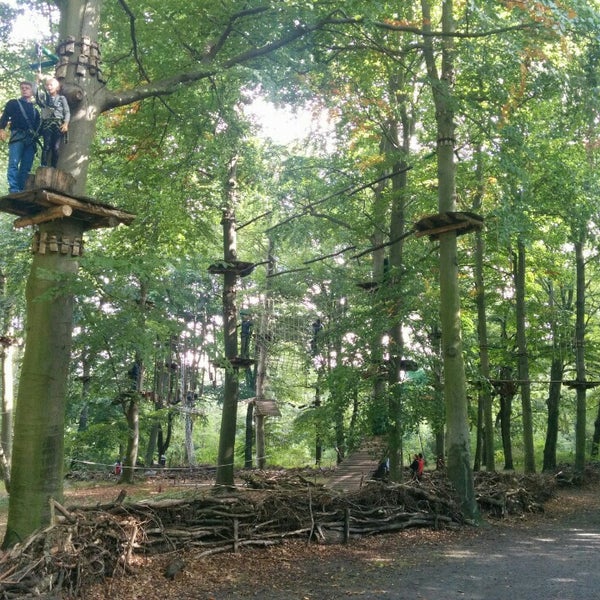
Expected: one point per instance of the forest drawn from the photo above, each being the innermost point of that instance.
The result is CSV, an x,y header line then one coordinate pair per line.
x,y
348,220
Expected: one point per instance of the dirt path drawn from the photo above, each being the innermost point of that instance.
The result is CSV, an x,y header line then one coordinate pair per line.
x,y
552,556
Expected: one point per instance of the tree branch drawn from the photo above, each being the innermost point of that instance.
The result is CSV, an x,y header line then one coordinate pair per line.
x,y
214,49
163,87
326,256
331,218
133,35
384,245
170,85
261,216
456,34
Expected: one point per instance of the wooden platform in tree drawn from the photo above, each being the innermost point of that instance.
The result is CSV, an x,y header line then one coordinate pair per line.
x,y
238,362
266,408
369,286
41,205
574,384
383,368
358,467
239,267
461,222
242,362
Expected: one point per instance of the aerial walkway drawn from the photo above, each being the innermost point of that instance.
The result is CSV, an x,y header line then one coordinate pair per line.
x,y
357,468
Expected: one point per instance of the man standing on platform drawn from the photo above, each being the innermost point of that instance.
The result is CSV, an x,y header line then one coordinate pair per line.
x,y
24,122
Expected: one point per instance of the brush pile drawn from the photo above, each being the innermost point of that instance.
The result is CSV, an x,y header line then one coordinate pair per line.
x,y
86,544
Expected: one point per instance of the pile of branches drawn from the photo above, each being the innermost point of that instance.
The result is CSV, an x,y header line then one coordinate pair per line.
x,y
87,544
503,494
189,474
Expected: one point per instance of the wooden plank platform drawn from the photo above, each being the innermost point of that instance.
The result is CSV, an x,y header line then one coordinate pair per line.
x,y
266,408
358,467
437,224
39,205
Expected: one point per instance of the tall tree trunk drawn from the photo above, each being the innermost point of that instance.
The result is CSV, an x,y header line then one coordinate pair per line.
x,y
189,436
507,390
554,388
399,135
164,441
130,405
226,455
596,436
380,404
458,439
339,407
190,400
319,436
479,449
438,424
523,360
485,392
194,391
505,429
132,416
37,461
249,444
553,403
580,426
86,380
152,443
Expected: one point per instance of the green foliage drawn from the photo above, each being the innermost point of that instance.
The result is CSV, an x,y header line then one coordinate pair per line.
x,y
526,106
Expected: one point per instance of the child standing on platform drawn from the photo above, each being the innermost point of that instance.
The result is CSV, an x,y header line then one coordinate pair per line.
x,y
56,116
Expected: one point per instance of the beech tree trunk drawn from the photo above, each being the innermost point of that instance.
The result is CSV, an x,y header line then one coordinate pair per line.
x,y
507,389
37,461
554,389
553,404
523,360
596,436
398,136
132,415
457,425
485,393
580,425
226,455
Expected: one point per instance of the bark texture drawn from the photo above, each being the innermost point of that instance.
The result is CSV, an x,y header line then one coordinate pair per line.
x,y
37,460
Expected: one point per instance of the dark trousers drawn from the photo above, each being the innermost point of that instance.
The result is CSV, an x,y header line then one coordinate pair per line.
x,y
51,136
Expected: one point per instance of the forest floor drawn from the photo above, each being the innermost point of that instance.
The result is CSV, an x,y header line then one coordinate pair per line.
x,y
550,555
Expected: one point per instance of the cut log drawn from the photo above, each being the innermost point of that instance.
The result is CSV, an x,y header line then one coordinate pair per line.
x,y
56,212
